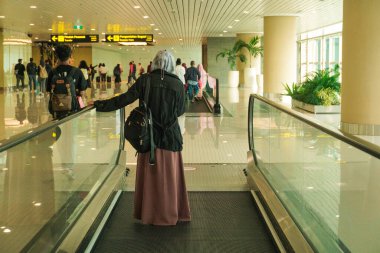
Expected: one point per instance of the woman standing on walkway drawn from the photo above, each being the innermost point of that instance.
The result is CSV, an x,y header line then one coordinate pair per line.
x,y
160,193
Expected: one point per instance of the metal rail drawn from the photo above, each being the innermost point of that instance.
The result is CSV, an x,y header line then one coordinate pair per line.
x,y
25,136
350,139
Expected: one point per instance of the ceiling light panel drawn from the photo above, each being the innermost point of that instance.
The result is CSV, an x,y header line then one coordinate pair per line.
x,y
191,20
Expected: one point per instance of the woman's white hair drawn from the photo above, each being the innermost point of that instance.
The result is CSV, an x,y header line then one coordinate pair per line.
x,y
164,60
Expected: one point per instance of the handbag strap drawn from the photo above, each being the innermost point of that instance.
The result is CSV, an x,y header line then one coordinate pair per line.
x,y
152,158
147,90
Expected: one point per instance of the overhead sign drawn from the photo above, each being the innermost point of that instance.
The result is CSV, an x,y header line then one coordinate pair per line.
x,y
129,38
78,27
78,38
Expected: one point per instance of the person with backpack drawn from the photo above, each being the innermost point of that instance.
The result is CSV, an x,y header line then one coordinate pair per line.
x,y
117,73
31,69
160,193
19,72
64,84
42,75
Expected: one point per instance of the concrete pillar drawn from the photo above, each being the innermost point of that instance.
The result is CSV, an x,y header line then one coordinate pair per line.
x,y
255,62
280,52
361,67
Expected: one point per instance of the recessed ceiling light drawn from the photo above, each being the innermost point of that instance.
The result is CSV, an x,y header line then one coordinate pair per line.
x,y
137,7
229,26
36,38
103,33
145,16
64,33
236,20
31,24
221,35
180,39
156,29
152,24
245,12
92,29
50,29
33,7
2,16
59,16
159,33
224,31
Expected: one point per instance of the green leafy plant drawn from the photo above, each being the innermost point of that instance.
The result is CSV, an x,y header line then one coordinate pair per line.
x,y
253,48
233,54
320,88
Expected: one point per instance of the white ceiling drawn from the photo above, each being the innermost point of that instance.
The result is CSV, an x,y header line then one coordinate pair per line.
x,y
189,20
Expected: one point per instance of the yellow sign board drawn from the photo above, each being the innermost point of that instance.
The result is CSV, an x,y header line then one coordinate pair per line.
x,y
129,38
79,38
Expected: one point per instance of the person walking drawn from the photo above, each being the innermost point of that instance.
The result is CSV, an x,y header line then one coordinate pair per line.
x,y
72,74
149,68
85,71
42,75
192,76
19,72
31,69
160,191
117,73
180,71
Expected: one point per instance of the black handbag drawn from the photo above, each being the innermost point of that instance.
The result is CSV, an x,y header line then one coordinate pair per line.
x,y
138,128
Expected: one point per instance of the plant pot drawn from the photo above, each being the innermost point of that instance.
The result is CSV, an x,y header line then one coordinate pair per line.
x,y
233,79
316,108
250,79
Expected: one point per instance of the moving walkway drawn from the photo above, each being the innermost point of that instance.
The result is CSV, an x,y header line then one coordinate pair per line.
x,y
309,188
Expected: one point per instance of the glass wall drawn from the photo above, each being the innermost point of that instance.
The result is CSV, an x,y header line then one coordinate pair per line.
x,y
319,49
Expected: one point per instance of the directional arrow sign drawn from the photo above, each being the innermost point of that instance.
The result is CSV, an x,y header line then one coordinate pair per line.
x,y
109,38
129,37
77,38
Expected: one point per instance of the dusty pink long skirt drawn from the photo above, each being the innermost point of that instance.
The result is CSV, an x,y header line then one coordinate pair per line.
x,y
160,193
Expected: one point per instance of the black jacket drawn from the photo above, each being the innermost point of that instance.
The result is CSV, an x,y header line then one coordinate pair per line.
x,y
166,101
192,74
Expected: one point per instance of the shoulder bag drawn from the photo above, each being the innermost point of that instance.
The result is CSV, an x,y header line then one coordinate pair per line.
x,y
138,128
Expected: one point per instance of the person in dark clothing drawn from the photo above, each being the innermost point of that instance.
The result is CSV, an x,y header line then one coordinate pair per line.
x,y
134,70
117,73
48,65
92,72
31,69
19,72
192,76
63,53
149,68
155,204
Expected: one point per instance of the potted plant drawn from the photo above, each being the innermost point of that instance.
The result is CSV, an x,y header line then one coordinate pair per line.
x,y
319,93
250,74
232,55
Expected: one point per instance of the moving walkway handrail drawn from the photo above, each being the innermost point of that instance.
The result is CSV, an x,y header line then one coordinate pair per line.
x,y
352,140
27,135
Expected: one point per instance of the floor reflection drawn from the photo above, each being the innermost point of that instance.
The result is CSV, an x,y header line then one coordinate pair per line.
x,y
28,201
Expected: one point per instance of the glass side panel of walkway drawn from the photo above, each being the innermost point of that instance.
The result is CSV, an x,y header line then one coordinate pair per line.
x,y
326,180
46,181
